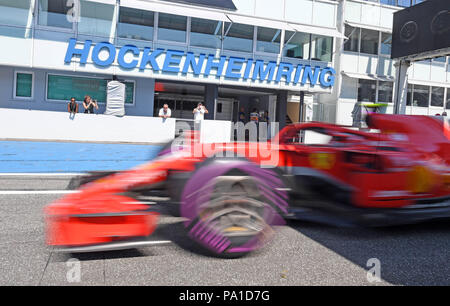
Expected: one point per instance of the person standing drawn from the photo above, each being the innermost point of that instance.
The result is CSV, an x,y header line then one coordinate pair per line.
x,y
199,112
254,116
265,122
242,116
265,117
89,105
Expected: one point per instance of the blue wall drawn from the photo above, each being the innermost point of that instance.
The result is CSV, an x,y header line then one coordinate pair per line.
x,y
143,99
31,156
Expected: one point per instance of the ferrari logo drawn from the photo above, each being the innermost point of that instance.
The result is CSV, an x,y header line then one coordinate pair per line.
x,y
322,161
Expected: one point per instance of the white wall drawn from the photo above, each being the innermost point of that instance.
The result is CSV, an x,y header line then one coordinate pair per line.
x,y
367,64
347,100
311,12
58,126
47,125
369,13
215,131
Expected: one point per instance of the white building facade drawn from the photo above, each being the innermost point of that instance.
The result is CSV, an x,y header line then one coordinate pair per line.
x,y
233,56
368,74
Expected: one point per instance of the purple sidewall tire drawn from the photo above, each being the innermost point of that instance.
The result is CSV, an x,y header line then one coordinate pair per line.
x,y
270,187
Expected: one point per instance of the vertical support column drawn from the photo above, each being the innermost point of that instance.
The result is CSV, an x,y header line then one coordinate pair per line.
x,y
301,107
337,61
211,95
401,86
281,109
112,34
149,99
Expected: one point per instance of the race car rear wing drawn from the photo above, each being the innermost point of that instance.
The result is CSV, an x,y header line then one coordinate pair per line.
x,y
427,134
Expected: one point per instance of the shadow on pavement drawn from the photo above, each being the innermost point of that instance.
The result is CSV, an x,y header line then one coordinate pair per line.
x,y
120,254
416,254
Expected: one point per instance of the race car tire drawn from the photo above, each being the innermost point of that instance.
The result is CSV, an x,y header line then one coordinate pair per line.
x,y
230,205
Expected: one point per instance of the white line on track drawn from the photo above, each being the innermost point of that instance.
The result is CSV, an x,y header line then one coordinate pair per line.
x,y
19,192
42,174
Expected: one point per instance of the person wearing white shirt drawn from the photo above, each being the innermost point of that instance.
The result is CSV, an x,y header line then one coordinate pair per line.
x,y
199,112
165,112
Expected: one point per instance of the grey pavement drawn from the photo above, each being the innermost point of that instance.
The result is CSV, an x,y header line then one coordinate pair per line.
x,y
300,254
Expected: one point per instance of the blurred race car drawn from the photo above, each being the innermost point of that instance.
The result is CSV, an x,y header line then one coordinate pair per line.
x,y
231,194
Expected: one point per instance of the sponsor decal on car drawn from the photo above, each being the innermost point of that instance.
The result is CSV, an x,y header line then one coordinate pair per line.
x,y
322,161
420,179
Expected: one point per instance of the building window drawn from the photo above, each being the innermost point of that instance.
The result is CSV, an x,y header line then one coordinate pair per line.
x,y
14,12
389,2
95,19
403,3
129,92
352,44
206,33
367,90
437,96
439,61
62,88
406,3
238,37
424,62
421,95
409,95
296,45
321,48
369,41
385,90
386,44
268,40
172,27
53,13
23,88
135,24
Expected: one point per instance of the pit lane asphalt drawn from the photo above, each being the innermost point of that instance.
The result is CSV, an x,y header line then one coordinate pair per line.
x,y
301,253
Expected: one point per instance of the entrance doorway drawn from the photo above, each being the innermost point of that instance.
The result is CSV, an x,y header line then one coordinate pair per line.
x,y
182,98
246,101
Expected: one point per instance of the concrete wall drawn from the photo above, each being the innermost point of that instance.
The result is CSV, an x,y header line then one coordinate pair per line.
x,y
215,131
44,125
60,126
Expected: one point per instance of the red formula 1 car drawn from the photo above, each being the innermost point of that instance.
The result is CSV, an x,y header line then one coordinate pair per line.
x,y
231,194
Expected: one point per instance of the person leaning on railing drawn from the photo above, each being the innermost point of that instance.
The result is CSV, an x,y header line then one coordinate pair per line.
x,y
165,112
72,106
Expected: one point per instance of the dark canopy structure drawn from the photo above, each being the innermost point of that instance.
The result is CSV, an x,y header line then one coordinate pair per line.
x,y
419,32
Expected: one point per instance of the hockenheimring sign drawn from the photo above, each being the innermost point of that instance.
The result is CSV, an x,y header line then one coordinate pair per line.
x,y
170,61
